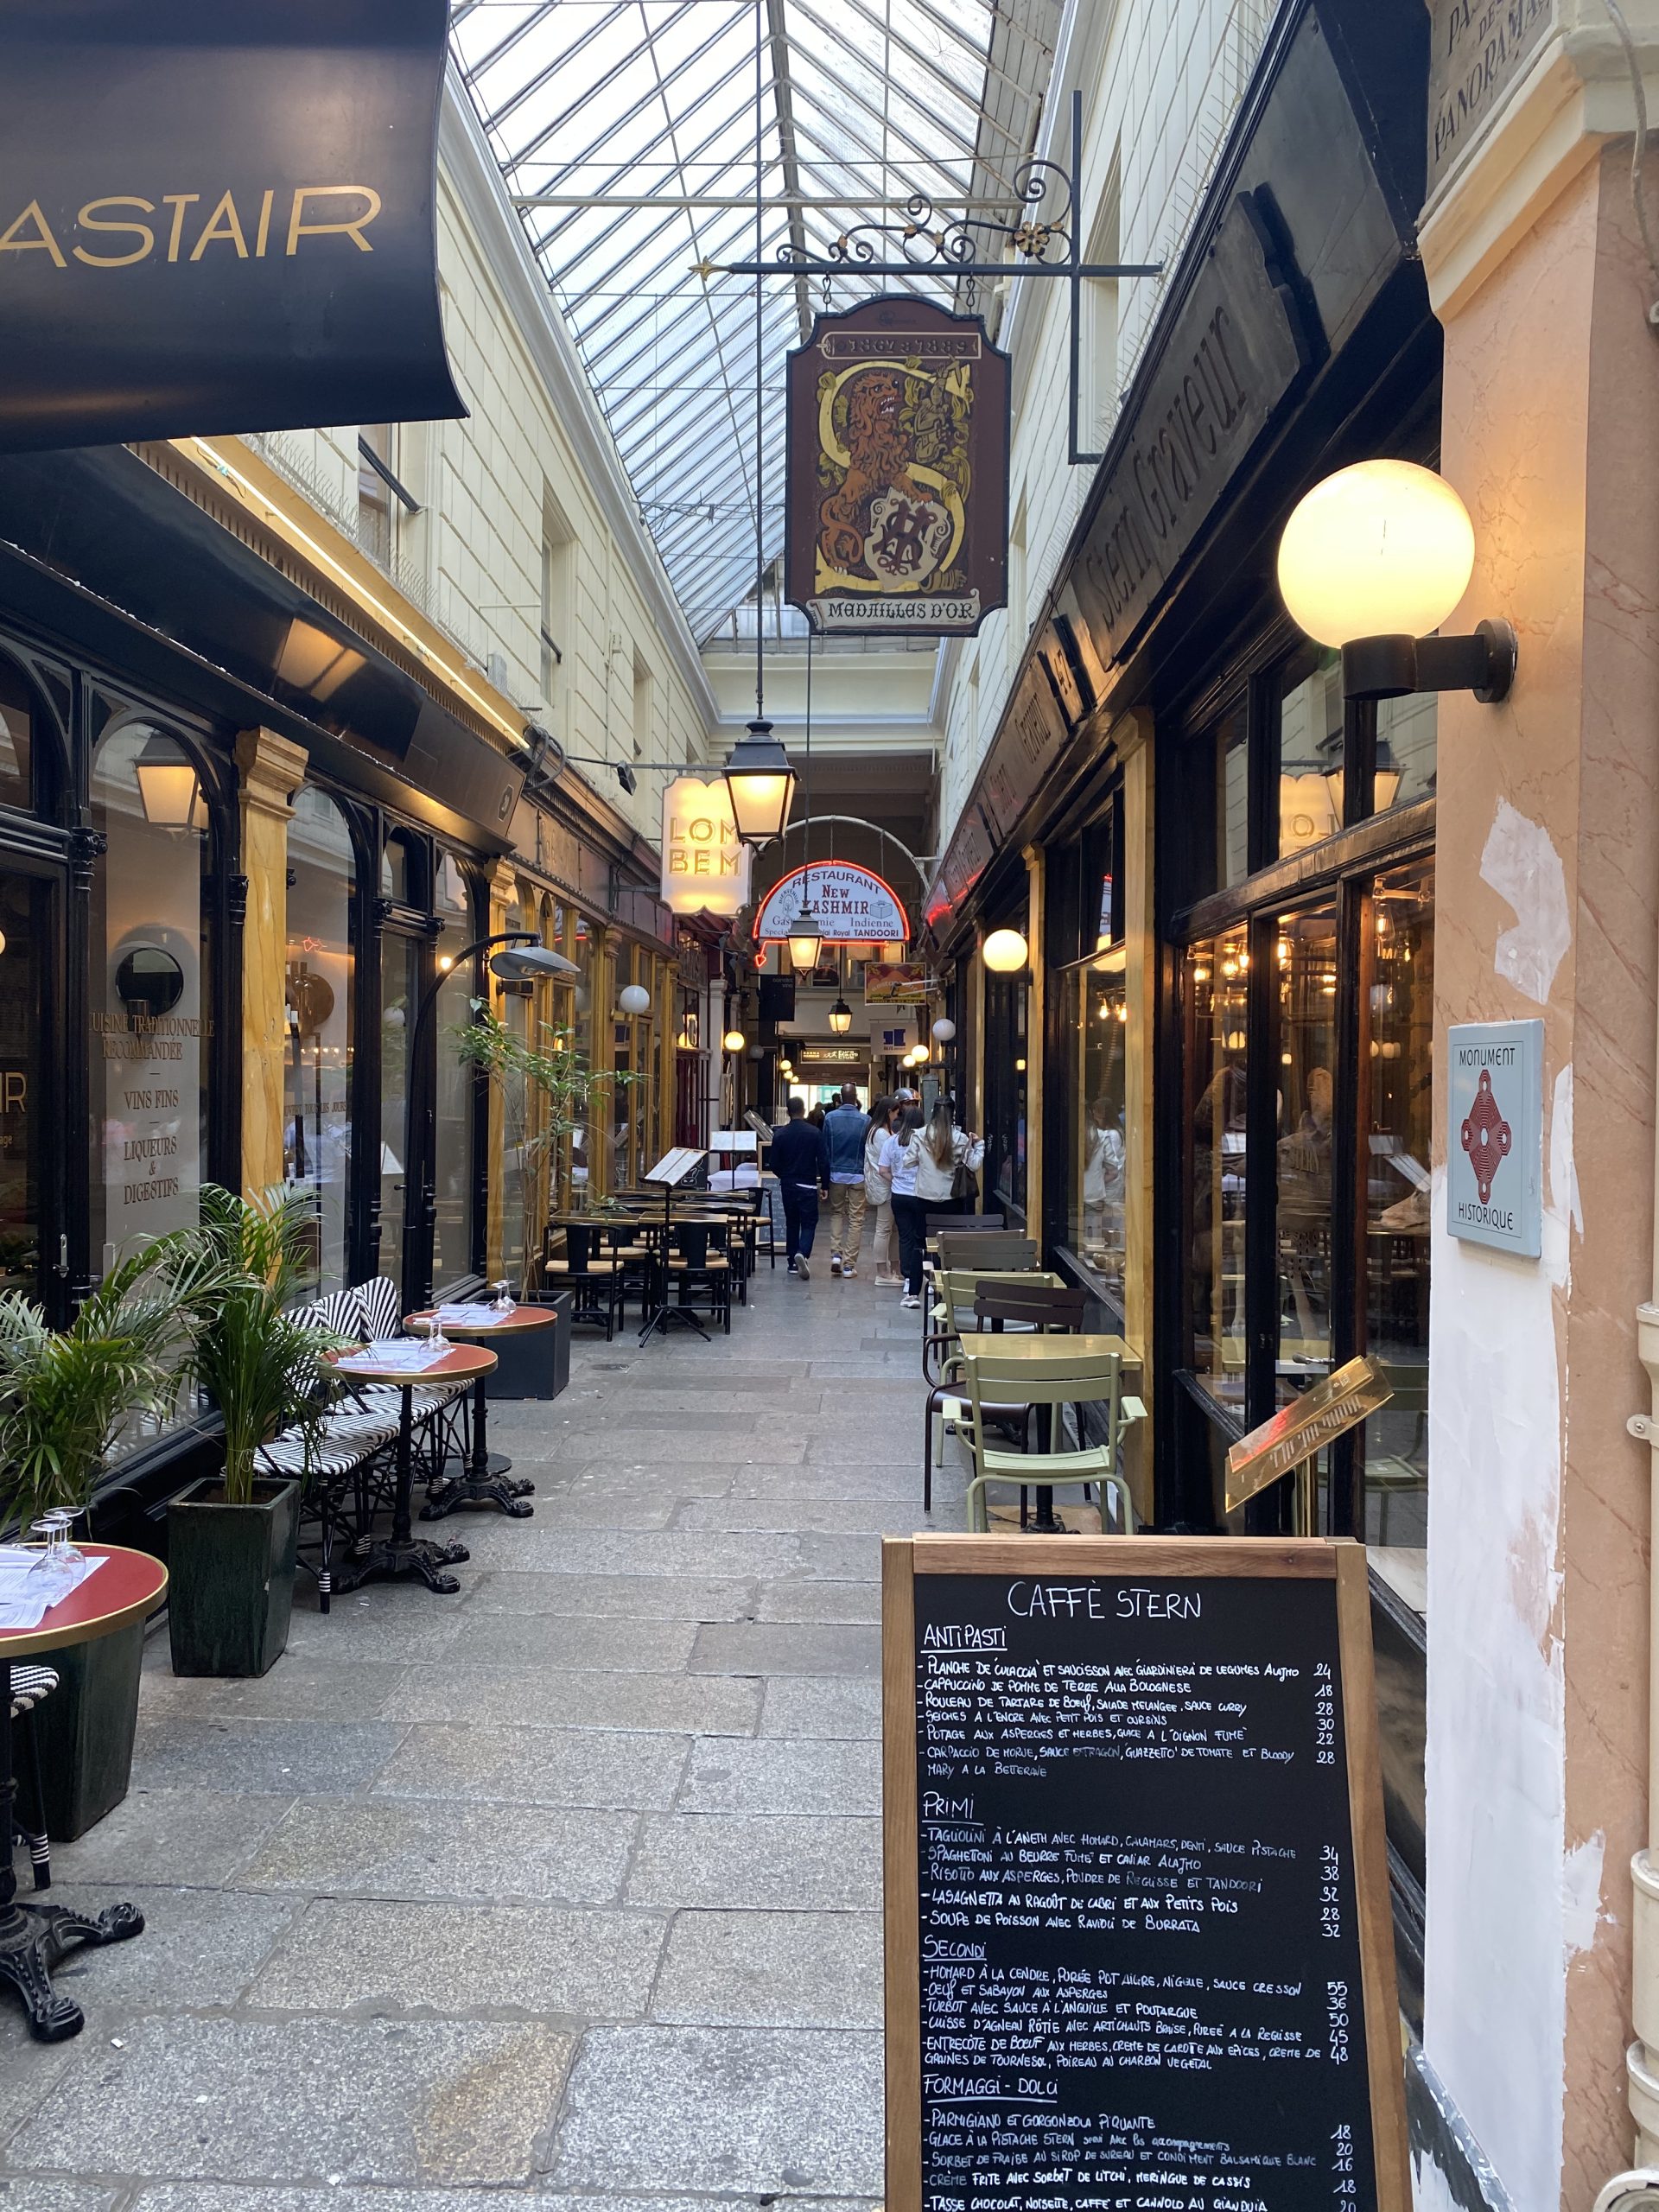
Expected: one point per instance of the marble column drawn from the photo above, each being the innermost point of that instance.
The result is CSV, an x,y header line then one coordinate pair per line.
x,y
270,770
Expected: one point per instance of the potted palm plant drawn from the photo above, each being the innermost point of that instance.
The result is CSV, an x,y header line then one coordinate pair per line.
x,y
65,1396
232,1539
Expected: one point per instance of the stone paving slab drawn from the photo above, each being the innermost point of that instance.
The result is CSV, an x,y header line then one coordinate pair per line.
x,y
466,1761
766,2110
56,2196
506,1696
418,1849
804,1705
377,1959
772,1969
285,1759
833,1516
601,1597
312,1688
616,1446
200,1947
757,1862
843,1602
786,1648
522,1545
303,2100
837,1558
202,1836
728,1774
535,1640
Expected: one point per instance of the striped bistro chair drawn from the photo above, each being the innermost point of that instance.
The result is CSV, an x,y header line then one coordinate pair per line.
x,y
346,1459
29,1684
439,1408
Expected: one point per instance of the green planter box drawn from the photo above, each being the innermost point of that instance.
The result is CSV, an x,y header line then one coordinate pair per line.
x,y
85,1731
230,1570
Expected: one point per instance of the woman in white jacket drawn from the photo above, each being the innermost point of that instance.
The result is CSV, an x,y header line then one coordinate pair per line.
x,y
878,1191
943,1148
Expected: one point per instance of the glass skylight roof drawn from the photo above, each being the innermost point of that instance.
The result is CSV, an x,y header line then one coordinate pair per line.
x,y
654,104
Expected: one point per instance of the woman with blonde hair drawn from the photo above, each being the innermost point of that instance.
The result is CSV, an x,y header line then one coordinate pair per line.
x,y
945,1153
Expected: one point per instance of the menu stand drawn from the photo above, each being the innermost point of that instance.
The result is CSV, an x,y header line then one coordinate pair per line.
x,y
686,1166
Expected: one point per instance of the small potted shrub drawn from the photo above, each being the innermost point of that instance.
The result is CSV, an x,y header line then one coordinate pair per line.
x,y
232,1539
65,1396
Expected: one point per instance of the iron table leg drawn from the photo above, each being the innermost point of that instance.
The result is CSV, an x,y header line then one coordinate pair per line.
x,y
34,1937
481,1477
402,1553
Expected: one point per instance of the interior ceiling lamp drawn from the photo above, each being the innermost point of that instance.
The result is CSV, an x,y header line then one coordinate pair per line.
x,y
1005,951
945,1029
841,1017
734,1040
1375,558
169,788
634,998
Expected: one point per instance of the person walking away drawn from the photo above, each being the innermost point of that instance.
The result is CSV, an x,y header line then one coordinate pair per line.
x,y
878,1194
846,1127
802,1166
947,1153
900,1156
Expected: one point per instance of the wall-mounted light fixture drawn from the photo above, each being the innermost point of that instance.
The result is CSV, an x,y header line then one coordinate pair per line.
x,y
734,1040
169,789
1005,951
633,999
1375,558
945,1029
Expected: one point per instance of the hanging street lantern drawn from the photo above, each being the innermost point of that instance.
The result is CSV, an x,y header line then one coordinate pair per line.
x,y
761,785
805,941
841,1017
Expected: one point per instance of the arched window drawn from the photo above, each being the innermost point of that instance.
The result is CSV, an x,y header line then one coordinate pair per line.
x,y
150,991
454,1253
320,988
16,740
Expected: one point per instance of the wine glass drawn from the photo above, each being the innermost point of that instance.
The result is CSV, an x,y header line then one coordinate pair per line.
x,y
503,1295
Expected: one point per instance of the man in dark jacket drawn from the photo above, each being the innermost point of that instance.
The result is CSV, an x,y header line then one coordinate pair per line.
x,y
801,1164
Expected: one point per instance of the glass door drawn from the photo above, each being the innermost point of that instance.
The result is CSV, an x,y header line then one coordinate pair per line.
x,y
400,996
23,1101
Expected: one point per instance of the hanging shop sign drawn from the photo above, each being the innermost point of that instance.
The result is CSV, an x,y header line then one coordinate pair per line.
x,y
854,906
898,472
895,982
705,863
832,1056
1494,1149
1138,1936
219,218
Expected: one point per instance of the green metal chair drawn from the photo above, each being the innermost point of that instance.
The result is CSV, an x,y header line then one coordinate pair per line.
x,y
1078,1379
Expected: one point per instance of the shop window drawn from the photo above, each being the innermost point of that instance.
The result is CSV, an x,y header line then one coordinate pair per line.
x,y
1232,758
584,996
1396,1068
1097,1014
1216,994
1304,954
400,992
454,1164
23,907
398,878
1405,750
16,741
376,513
1310,749
319,991
1006,1103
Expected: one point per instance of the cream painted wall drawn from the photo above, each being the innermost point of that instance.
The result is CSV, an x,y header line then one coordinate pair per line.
x,y
1161,80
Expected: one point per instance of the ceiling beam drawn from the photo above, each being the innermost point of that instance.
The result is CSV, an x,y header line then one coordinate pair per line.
x,y
783,97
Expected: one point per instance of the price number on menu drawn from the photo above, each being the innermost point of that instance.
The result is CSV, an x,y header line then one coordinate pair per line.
x,y
1325,1717
1343,2188
1330,1891
1335,2021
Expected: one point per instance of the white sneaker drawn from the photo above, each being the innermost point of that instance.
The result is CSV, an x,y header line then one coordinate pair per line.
x,y
801,1267
908,1301
850,1272
834,1263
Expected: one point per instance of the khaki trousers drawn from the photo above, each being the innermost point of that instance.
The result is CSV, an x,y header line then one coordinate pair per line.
x,y
846,1214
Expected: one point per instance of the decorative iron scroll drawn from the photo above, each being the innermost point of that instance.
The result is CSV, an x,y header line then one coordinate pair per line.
x,y
927,240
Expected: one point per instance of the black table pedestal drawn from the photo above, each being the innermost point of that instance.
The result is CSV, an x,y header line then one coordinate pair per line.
x,y
34,1937
403,1552
481,1478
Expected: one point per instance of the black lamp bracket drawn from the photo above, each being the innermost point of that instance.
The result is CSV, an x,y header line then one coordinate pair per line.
x,y
1391,667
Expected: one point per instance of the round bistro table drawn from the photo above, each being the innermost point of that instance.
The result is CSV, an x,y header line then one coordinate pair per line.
x,y
128,1586
482,1478
403,1553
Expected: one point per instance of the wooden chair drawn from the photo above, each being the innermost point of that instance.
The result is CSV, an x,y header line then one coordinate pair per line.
x,y
1081,1380
699,1264
593,1278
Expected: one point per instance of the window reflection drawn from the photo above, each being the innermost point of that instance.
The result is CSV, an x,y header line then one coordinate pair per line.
x,y
319,985
1306,958
1310,749
1098,1013
1396,1064
1216,992
16,740
1006,1008
453,1252
1232,797
1406,730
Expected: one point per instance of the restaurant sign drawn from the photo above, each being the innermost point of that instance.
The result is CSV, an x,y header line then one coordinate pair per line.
x,y
705,862
853,906
898,472
219,218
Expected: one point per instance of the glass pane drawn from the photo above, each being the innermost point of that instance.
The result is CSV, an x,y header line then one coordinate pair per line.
x,y
1098,1014
400,975
454,1253
1307,962
149,993
1310,749
317,1069
1396,1064
1233,798
22,915
1007,1007
520,1105
1217,980
1405,749
584,1143
16,746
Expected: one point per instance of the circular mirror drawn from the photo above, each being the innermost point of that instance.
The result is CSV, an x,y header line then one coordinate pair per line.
x,y
149,981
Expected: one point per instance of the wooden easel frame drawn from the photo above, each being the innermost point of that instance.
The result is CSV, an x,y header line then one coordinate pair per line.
x,y
1340,1560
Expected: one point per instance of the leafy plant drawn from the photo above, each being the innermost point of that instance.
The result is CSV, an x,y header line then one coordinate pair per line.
x,y
550,1071
65,1394
263,1364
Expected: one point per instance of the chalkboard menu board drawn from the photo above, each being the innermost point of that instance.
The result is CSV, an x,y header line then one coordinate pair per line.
x,y
1138,1937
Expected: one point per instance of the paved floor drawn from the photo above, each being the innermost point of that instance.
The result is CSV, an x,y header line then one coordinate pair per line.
x,y
565,1889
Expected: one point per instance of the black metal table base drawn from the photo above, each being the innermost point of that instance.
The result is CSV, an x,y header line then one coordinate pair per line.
x,y
34,1937
665,1315
394,1555
461,1485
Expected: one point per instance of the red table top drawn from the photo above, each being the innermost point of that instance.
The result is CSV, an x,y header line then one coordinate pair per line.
x,y
522,1317
127,1588
460,1364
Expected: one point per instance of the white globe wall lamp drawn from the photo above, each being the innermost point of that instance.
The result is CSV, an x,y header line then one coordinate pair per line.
x,y
1005,952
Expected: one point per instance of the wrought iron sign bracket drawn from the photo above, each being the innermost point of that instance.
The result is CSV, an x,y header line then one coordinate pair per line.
x,y
1044,246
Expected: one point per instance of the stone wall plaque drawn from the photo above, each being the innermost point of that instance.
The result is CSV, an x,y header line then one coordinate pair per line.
x,y
1479,51
1494,1146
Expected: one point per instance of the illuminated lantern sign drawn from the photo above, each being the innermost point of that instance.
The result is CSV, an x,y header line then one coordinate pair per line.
x,y
705,866
853,906
898,469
